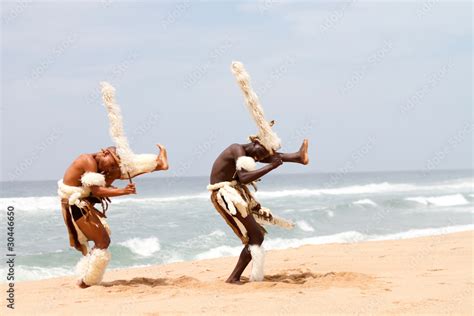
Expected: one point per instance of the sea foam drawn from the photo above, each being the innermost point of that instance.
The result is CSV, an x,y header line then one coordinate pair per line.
x,y
52,203
373,188
25,273
217,252
144,247
304,226
35,203
365,202
445,200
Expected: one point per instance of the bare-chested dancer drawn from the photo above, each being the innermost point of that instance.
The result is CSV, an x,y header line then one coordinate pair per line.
x,y
88,181
233,165
235,168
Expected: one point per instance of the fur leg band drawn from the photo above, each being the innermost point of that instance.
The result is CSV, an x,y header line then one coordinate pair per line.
x,y
91,268
258,260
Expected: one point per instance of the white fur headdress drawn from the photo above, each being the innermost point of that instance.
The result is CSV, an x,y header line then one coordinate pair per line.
x,y
130,163
266,136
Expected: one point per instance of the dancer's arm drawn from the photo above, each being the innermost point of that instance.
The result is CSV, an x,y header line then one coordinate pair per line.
x,y
247,177
111,192
108,191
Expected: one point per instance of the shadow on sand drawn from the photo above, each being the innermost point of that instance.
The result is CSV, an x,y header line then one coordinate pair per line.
x,y
181,281
303,277
138,281
287,277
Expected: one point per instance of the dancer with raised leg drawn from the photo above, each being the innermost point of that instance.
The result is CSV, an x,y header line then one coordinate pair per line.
x,y
88,181
234,169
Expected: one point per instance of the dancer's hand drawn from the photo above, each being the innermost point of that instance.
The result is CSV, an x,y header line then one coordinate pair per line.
x,y
276,161
130,189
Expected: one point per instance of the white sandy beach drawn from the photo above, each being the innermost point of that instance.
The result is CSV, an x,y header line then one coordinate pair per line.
x,y
431,275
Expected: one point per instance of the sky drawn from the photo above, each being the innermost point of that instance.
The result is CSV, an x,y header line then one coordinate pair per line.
x,y
374,86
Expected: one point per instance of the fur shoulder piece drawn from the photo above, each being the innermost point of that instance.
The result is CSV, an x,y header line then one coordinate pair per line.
x,y
93,178
246,163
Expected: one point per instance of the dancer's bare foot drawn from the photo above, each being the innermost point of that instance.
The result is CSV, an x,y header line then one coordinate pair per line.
x,y
162,158
82,285
233,281
304,152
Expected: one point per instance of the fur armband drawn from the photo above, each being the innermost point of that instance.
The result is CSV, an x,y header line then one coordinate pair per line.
x,y
246,163
89,179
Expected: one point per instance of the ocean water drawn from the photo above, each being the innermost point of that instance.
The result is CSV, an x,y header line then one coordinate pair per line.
x,y
172,219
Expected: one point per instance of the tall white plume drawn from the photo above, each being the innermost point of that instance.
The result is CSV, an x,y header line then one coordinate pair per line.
x,y
267,137
116,128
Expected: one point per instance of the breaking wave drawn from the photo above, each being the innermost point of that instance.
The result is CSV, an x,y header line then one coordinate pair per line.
x,y
304,226
145,247
365,202
52,203
445,200
25,273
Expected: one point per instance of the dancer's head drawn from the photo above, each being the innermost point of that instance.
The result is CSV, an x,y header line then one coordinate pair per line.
x,y
108,162
257,151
